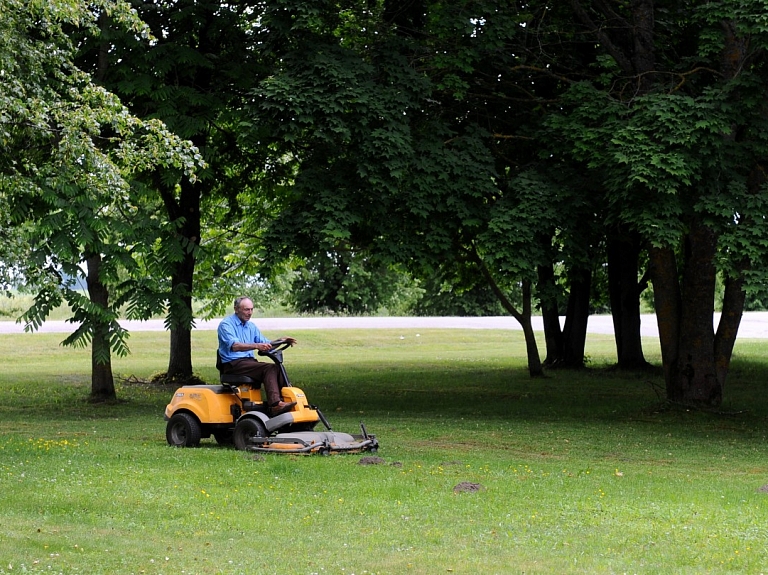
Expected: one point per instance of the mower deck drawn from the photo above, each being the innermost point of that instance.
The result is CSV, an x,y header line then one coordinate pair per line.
x,y
321,442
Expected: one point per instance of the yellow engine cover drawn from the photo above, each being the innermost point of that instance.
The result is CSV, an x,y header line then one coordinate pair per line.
x,y
301,413
209,403
213,403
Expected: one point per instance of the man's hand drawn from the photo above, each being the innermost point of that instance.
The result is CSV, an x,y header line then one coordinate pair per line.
x,y
263,346
282,340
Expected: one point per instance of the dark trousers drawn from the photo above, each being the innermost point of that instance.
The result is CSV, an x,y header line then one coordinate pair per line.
x,y
260,372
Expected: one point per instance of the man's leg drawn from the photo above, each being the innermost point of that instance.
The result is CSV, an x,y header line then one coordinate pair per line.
x,y
271,387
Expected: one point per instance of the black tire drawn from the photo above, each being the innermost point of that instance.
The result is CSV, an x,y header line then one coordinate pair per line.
x,y
183,430
245,430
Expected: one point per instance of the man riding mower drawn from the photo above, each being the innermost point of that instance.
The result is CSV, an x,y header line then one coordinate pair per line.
x,y
235,412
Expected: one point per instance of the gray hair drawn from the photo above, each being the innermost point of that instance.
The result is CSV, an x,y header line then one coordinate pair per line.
x,y
239,300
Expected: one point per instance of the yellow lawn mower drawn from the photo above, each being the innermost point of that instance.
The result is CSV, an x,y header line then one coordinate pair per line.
x,y
234,412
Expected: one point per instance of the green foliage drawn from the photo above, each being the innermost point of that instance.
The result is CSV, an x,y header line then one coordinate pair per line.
x,y
72,151
344,283
666,155
453,294
195,75
394,155
356,125
442,137
93,318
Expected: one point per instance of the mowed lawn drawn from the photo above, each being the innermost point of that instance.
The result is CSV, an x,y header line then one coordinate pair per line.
x,y
482,469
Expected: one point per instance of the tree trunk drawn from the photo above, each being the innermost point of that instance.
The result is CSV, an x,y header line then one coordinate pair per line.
x,y
666,293
734,295
102,382
550,314
576,318
697,380
180,308
180,356
734,55
523,317
624,291
728,327
532,349
180,311
685,317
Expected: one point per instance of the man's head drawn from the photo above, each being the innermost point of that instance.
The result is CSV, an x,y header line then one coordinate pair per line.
x,y
243,308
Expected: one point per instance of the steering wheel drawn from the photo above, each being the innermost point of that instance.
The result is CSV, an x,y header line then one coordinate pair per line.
x,y
280,344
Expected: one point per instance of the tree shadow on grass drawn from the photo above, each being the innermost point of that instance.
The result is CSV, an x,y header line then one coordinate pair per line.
x,y
600,395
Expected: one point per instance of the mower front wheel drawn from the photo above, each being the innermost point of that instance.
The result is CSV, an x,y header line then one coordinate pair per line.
x,y
183,430
245,430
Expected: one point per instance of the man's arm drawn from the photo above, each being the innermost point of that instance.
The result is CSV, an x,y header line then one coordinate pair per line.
x,y
254,341
237,346
230,345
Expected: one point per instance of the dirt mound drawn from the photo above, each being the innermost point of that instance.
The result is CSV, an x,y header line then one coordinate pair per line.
x,y
371,460
468,487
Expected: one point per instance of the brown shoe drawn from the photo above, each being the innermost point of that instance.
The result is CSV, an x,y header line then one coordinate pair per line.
x,y
281,407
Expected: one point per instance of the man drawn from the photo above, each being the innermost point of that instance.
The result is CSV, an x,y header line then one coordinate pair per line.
x,y
239,338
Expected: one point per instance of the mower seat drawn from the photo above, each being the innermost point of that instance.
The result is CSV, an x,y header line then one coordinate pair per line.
x,y
235,380
231,378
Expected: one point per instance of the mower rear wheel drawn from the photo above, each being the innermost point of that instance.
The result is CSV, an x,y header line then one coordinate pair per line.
x,y
245,430
183,430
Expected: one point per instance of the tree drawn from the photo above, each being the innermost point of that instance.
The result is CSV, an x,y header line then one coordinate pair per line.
x,y
624,249
71,153
658,105
458,292
194,76
675,129
383,163
343,282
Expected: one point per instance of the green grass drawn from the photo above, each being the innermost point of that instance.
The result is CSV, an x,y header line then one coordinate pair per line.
x,y
579,472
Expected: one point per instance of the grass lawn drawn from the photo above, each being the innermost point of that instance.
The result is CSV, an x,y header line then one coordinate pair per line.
x,y
576,473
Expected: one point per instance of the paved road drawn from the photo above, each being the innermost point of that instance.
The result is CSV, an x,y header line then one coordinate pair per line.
x,y
753,325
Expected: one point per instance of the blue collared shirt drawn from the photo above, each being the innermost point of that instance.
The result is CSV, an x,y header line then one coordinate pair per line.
x,y
232,330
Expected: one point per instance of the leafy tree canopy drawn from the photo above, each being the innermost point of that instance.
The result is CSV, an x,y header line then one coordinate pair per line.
x,y
72,151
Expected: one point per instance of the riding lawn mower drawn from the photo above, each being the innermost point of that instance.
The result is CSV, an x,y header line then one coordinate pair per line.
x,y
234,412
